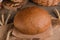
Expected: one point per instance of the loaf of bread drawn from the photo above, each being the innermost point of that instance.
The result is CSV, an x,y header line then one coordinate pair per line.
x,y
46,2
32,20
14,4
